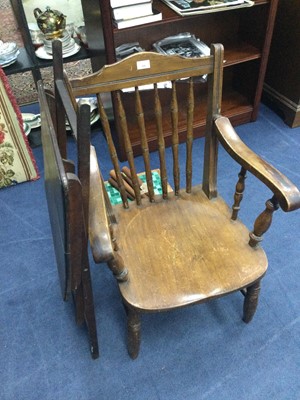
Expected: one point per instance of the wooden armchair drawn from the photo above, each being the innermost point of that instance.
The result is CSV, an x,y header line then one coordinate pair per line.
x,y
67,197
175,249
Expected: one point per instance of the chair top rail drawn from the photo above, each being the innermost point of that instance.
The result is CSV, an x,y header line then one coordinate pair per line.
x,y
141,69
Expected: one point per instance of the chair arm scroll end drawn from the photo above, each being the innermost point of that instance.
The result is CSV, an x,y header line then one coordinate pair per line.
x,y
287,193
101,247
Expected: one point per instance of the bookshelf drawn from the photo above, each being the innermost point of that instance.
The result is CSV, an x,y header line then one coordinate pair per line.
x,y
246,35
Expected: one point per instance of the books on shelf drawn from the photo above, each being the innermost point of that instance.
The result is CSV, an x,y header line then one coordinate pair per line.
x,y
123,3
132,11
146,19
188,7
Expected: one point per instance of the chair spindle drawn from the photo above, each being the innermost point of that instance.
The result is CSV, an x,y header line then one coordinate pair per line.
x,y
175,139
112,150
263,222
128,147
238,196
189,135
144,143
161,143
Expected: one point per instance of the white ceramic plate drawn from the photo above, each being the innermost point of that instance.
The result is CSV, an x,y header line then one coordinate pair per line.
x,y
92,101
95,118
33,120
41,52
7,63
68,48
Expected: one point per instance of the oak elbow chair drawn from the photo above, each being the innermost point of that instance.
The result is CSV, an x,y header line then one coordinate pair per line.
x,y
188,246
67,198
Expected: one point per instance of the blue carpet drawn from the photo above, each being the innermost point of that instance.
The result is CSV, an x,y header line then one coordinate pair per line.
x,y
202,352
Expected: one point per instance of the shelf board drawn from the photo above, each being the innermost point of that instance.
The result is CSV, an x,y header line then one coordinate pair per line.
x,y
25,63
259,2
171,15
240,52
81,55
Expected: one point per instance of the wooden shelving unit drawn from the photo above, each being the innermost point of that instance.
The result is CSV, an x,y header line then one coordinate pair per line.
x,y
246,35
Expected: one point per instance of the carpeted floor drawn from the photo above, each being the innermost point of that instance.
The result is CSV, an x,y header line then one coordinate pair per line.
x,y
203,352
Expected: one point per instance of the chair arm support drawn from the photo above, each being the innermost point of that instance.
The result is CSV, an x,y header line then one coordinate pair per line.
x,y
285,191
99,232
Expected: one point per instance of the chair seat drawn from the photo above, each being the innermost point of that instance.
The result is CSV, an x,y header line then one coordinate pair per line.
x,y
156,254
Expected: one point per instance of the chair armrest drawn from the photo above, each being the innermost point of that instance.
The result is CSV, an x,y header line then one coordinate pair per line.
x,y
285,191
99,232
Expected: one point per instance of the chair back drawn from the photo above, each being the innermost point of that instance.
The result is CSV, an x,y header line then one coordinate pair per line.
x,y
136,85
